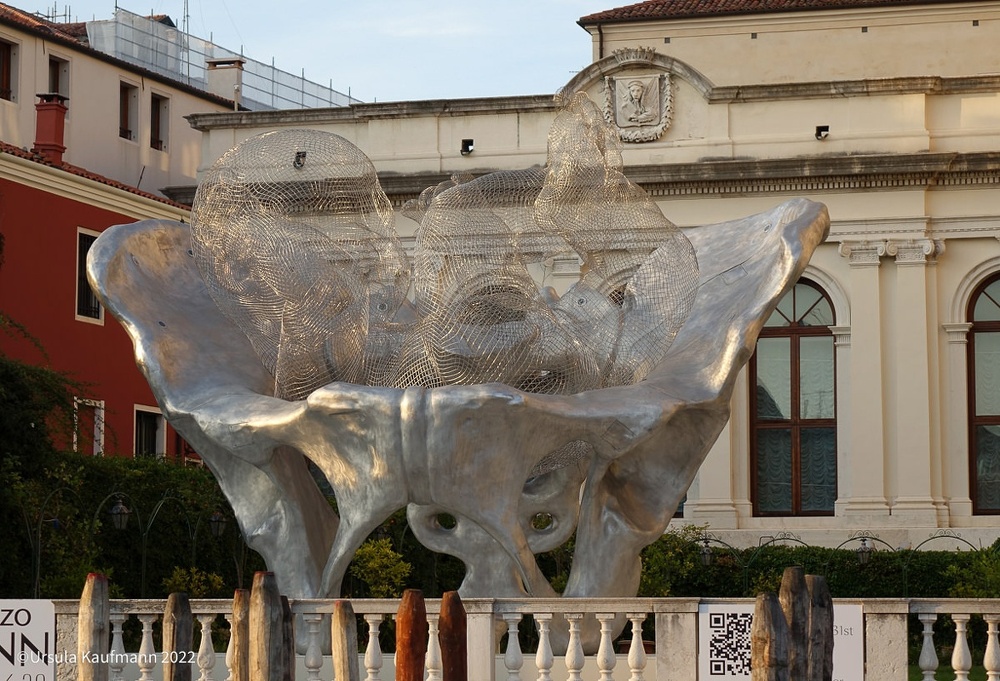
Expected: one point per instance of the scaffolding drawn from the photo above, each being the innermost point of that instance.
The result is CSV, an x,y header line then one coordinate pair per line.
x,y
163,48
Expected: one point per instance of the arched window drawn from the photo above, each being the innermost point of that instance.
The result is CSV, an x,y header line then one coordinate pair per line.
x,y
984,397
793,427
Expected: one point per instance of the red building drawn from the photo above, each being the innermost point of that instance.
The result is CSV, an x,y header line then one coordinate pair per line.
x,y
50,213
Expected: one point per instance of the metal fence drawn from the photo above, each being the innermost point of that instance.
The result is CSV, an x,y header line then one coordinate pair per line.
x,y
169,51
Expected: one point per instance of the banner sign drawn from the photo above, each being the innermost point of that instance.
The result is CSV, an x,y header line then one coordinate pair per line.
x,y
27,640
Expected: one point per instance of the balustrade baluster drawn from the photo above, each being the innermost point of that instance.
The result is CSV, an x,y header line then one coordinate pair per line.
x,y
314,655
961,658
206,649
117,663
637,649
147,653
991,659
433,659
513,659
373,653
928,660
229,648
543,658
606,651
574,648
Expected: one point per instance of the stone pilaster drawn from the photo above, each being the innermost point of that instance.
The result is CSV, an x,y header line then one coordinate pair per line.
x,y
914,456
862,479
956,425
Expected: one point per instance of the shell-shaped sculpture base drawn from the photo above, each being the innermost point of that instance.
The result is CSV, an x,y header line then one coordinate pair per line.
x,y
466,450
481,394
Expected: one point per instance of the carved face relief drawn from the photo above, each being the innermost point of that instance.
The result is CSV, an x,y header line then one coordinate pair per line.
x,y
639,106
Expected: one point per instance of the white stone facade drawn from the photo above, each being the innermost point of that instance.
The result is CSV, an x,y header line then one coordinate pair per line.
x,y
889,116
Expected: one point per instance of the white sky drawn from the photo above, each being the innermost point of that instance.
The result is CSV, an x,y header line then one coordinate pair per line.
x,y
388,50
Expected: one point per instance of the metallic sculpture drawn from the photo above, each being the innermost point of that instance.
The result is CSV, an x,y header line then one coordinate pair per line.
x,y
277,330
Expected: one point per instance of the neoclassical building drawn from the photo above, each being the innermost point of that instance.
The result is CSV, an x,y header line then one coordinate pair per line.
x,y
873,401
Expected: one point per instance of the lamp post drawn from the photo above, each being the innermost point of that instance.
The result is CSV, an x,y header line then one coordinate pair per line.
x,y
217,524
940,534
37,536
706,556
120,513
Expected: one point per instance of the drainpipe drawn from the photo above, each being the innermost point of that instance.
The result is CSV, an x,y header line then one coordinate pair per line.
x,y
50,127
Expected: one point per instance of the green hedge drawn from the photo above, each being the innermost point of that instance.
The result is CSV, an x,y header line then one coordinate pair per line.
x,y
65,504
672,567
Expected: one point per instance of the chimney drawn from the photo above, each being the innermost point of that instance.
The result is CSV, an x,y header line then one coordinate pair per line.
x,y
224,77
50,126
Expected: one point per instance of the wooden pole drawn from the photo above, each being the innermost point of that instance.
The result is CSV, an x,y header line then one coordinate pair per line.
x,y
794,598
93,628
820,647
411,636
267,640
344,628
178,638
240,633
453,637
769,640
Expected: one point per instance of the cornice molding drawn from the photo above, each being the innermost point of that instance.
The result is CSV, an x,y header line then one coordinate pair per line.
x,y
877,172
841,335
904,85
958,332
96,194
885,172
820,173
358,113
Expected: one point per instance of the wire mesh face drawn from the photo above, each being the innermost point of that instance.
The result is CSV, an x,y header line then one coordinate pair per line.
x,y
295,239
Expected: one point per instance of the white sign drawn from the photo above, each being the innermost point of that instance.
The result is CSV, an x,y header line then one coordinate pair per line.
x,y
27,640
724,642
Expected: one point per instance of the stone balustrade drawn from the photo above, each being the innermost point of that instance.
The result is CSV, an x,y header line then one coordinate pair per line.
x,y
500,648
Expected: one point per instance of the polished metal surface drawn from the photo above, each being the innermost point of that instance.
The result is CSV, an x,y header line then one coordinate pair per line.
x,y
607,455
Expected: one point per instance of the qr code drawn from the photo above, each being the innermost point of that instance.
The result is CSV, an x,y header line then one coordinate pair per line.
x,y
729,644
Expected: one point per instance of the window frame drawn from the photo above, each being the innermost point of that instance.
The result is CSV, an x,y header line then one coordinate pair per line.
x,y
59,73
159,117
160,448
974,420
82,285
128,111
795,424
98,434
9,59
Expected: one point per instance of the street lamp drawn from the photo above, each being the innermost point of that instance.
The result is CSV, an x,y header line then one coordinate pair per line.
x,y
38,533
119,514
864,552
217,523
706,555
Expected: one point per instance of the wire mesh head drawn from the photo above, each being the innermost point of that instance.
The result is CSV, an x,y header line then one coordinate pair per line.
x,y
295,239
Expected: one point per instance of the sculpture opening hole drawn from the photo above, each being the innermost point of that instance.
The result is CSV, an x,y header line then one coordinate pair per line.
x,y
543,522
445,521
494,304
617,296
